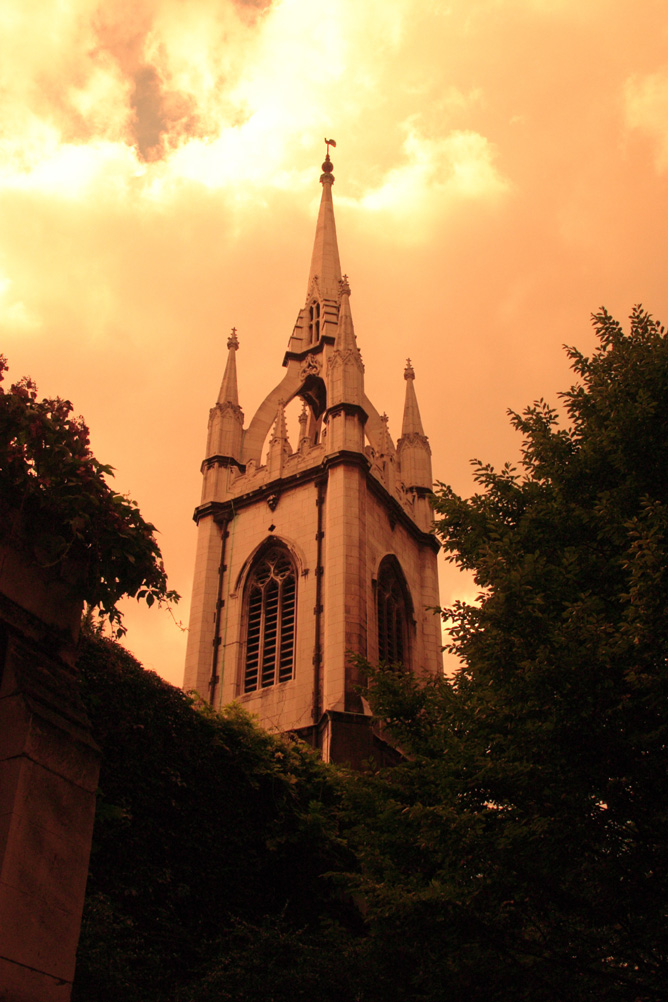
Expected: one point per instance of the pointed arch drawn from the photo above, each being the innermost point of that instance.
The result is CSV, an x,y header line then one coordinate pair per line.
x,y
297,382
394,613
270,618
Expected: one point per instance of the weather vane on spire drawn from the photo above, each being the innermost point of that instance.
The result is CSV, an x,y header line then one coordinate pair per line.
x,y
328,166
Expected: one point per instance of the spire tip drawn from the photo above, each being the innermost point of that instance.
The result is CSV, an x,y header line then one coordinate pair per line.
x,y
327,165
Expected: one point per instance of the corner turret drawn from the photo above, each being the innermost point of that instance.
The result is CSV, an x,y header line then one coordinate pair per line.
x,y
414,453
224,445
345,416
279,446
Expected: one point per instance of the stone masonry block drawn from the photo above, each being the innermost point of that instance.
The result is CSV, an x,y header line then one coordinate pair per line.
x,y
20,984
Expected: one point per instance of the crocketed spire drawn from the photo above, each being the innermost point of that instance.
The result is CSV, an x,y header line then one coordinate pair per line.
x,y
226,419
280,434
228,388
345,336
413,448
325,264
412,423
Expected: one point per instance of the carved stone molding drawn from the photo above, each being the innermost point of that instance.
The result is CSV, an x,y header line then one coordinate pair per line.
x,y
342,357
311,366
414,438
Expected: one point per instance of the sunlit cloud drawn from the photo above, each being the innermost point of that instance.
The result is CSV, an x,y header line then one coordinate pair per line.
x,y
70,171
14,314
436,173
646,107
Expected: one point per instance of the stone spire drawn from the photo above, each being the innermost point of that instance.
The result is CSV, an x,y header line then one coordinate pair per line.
x,y
307,428
345,369
385,447
228,388
279,445
412,423
319,317
280,434
325,265
414,453
226,419
345,335
345,416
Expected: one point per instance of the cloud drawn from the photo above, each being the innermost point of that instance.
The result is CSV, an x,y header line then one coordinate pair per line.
x,y
437,173
14,314
646,109
161,118
123,72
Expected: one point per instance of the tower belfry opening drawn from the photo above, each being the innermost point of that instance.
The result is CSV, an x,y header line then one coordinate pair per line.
x,y
315,545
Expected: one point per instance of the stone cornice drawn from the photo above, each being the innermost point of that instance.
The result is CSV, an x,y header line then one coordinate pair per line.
x,y
315,349
211,461
225,407
402,516
414,438
224,510
353,409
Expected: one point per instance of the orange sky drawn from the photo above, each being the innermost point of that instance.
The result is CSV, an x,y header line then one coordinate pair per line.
x,y
501,173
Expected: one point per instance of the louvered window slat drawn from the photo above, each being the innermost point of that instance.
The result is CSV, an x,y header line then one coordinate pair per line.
x,y
270,636
270,631
391,616
287,630
253,641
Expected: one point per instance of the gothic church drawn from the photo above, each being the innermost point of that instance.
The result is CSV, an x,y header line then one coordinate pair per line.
x,y
319,550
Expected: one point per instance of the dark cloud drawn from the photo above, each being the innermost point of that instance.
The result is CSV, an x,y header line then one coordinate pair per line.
x,y
161,117
252,7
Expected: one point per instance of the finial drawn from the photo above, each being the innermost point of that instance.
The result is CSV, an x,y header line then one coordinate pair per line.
x,y
409,371
327,165
344,286
233,340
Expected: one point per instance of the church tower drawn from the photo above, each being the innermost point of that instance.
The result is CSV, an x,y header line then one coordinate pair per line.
x,y
308,553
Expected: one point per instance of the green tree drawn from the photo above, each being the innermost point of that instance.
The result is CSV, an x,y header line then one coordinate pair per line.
x,y
57,508
522,852
211,844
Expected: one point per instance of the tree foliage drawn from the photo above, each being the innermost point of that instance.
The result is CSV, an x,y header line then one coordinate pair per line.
x,y
211,844
525,842
56,505
519,852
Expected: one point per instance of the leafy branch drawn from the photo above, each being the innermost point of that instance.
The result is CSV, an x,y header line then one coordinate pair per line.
x,y
57,508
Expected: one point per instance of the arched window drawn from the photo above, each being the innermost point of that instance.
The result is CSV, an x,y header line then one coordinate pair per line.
x,y
270,635
392,614
314,322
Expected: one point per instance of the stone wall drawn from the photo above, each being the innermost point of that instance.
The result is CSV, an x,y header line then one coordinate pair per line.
x,y
49,768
